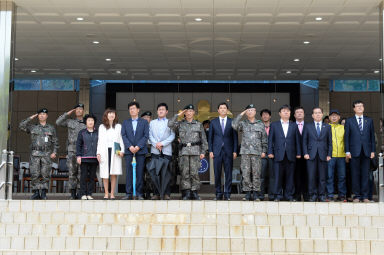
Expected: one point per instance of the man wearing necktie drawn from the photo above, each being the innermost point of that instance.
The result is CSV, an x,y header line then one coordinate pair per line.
x,y
317,150
360,148
284,148
135,134
222,143
301,177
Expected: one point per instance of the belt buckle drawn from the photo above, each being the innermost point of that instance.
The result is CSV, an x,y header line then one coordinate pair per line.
x,y
189,144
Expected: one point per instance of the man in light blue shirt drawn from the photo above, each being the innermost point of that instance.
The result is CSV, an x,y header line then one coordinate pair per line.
x,y
161,138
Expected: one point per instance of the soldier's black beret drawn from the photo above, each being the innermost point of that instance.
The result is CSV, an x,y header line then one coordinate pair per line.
x,y
189,107
79,105
42,110
250,106
147,113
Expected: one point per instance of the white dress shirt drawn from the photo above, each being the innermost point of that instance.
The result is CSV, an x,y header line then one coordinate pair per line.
x,y
285,127
225,121
320,126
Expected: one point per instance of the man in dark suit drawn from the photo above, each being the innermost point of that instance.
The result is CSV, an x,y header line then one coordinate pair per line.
x,y
301,178
222,142
317,150
284,148
360,147
135,133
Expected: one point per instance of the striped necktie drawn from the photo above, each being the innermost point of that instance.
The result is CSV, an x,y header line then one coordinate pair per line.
x,y
360,125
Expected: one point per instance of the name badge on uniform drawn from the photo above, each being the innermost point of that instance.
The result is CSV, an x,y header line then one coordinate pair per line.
x,y
46,139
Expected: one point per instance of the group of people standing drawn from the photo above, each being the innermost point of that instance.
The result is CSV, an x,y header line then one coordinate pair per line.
x,y
288,160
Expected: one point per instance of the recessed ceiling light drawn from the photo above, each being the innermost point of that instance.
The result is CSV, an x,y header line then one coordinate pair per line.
x,y
108,59
306,42
16,59
79,18
288,72
118,71
198,19
296,60
33,71
380,59
376,71
319,18
95,42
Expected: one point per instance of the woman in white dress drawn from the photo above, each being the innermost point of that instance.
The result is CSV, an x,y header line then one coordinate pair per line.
x,y
110,161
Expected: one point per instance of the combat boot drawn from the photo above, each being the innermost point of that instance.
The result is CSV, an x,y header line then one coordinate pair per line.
x,y
36,195
186,194
44,194
195,196
73,194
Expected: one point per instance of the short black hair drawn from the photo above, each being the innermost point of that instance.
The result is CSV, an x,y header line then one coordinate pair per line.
x,y
87,116
206,122
134,104
265,111
317,107
354,103
162,104
222,103
298,108
285,106
326,118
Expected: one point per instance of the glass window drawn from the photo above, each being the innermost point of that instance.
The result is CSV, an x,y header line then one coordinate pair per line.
x,y
27,84
57,84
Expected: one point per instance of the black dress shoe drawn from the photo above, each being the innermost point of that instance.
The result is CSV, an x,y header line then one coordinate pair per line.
x,y
36,195
127,197
218,198
140,198
227,199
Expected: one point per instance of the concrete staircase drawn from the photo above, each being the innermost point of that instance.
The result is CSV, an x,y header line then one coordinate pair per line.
x,y
189,227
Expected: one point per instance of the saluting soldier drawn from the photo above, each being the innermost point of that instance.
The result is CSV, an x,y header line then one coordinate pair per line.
x,y
254,146
74,126
44,146
193,145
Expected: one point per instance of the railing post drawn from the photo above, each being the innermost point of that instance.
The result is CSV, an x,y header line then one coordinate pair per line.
x,y
9,183
381,178
3,174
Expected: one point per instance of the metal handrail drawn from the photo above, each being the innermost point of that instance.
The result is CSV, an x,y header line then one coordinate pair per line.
x,y
381,178
6,175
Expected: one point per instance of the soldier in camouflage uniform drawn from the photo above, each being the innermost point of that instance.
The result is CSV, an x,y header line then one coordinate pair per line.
x,y
44,145
254,146
74,126
193,146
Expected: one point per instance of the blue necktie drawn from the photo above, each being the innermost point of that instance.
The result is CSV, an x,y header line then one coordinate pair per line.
x,y
222,126
360,125
318,129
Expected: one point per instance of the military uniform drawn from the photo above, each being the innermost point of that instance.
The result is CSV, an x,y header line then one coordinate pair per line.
x,y
44,142
254,143
74,126
193,143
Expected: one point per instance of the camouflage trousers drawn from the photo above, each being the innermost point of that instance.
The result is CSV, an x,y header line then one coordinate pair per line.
x,y
189,172
251,172
40,167
73,171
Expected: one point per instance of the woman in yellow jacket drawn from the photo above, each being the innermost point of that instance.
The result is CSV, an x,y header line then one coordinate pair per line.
x,y
337,161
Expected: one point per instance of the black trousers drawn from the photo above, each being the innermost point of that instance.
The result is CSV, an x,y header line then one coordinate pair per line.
x,y
360,176
267,178
301,179
284,178
87,178
225,160
317,178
